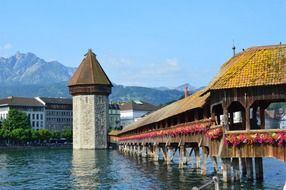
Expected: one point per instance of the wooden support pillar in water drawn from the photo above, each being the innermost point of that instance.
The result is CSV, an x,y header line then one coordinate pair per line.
x,y
249,168
139,150
226,169
155,152
183,158
197,157
127,148
235,167
144,151
259,168
243,166
215,165
204,163
169,155
149,151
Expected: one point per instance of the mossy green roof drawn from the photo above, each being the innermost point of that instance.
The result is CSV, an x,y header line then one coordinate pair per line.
x,y
257,66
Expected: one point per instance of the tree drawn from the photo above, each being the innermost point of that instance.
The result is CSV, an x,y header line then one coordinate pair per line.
x,y
44,134
16,119
20,135
67,133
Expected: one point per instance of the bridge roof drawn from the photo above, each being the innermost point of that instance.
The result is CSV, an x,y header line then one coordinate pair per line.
x,y
256,66
196,100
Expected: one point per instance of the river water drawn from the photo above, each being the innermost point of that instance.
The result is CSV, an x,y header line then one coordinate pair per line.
x,y
108,169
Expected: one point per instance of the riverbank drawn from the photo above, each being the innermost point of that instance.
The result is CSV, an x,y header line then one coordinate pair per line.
x,y
21,147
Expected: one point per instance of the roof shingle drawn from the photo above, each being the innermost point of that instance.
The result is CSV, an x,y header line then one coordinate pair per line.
x,y
89,72
257,66
197,100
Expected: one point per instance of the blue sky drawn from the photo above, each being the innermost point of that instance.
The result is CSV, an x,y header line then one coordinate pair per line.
x,y
147,43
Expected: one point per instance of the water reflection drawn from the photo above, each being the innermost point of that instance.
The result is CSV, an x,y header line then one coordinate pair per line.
x,y
102,169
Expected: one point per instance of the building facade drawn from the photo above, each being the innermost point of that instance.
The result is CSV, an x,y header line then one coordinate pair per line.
x,y
34,109
114,116
58,113
134,110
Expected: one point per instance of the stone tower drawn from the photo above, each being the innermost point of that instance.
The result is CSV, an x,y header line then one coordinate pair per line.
x,y
90,88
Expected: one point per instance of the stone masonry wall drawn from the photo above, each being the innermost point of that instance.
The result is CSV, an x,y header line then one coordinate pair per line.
x,y
90,121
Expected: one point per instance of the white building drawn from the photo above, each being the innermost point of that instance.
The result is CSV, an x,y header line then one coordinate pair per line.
x,y
34,109
53,114
114,116
134,110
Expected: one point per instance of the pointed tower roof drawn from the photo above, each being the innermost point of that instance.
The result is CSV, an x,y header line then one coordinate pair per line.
x,y
90,78
89,72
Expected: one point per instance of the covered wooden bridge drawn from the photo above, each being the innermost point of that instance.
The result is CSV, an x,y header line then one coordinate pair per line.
x,y
225,121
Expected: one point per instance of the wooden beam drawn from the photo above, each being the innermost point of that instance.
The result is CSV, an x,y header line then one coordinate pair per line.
x,y
197,157
259,169
236,171
249,168
226,169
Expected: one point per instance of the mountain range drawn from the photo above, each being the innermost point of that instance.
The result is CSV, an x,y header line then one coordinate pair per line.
x,y
28,75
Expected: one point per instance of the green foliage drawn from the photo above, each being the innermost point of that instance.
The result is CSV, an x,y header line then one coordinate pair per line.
x,y
44,134
4,133
67,133
276,106
16,130
16,119
20,135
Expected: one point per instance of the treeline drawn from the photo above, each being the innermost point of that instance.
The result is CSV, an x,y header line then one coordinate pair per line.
x,y
16,130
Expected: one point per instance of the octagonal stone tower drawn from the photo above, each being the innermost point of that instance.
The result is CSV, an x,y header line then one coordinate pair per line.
x,y
90,88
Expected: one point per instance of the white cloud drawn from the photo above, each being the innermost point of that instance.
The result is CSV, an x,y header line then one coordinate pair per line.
x,y
5,49
7,46
128,71
168,67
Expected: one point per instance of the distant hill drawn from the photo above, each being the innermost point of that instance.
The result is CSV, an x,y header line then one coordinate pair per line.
x,y
151,95
30,69
29,75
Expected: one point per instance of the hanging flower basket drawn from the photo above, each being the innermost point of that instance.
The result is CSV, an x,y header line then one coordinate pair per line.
x,y
278,138
179,130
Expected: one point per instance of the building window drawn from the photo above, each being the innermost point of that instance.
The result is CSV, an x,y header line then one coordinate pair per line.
x,y
37,116
41,116
33,116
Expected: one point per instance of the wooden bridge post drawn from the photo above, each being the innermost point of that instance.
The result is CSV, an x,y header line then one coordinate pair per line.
x,y
169,154
214,161
139,150
183,158
226,169
197,156
262,117
204,163
144,151
259,168
243,166
127,148
249,168
150,151
155,152
131,149
235,167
